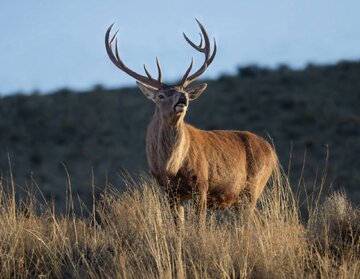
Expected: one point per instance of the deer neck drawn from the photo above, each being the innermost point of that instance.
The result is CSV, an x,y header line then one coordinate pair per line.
x,y
168,144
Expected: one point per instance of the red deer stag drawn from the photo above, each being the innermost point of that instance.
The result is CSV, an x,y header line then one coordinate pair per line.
x,y
221,167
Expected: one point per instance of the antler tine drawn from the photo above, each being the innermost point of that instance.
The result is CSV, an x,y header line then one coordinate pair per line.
x,y
213,54
201,40
159,70
114,37
198,48
187,72
206,50
115,58
147,73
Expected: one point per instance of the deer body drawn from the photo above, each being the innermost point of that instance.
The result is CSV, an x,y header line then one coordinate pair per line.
x,y
219,167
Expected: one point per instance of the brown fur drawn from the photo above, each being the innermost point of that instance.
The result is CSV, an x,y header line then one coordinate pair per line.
x,y
219,166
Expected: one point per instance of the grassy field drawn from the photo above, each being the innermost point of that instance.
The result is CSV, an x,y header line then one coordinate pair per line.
x,y
133,235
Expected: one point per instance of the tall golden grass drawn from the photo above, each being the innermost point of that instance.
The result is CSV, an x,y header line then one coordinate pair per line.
x,y
133,235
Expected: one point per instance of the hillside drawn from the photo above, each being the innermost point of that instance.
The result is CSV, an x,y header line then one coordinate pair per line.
x,y
103,131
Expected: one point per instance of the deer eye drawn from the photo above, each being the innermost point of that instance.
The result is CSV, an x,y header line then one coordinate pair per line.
x,y
161,97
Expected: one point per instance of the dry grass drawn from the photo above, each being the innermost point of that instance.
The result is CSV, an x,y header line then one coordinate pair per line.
x,y
133,235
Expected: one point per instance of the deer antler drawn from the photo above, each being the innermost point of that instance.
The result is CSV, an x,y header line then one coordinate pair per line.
x,y
115,58
186,80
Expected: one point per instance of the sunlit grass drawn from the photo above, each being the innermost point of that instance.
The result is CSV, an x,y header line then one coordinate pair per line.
x,y
133,235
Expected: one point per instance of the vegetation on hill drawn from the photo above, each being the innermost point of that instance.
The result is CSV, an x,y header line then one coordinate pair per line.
x,y
94,135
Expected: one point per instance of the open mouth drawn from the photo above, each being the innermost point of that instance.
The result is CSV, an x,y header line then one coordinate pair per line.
x,y
180,107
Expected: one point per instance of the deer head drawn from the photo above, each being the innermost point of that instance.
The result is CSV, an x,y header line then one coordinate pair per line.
x,y
171,101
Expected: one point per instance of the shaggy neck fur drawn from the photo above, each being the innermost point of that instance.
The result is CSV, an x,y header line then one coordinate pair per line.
x,y
167,144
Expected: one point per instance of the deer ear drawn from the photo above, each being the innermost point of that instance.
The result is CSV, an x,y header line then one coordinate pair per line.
x,y
196,91
148,91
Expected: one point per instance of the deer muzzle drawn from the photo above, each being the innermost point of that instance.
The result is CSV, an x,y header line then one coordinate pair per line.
x,y
181,104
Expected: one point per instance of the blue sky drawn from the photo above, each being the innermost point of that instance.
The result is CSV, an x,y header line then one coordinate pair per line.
x,y
48,44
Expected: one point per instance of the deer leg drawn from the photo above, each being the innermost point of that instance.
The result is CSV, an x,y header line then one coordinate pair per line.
x,y
245,204
202,205
177,208
180,212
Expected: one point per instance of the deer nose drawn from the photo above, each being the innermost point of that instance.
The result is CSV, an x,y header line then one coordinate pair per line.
x,y
182,98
